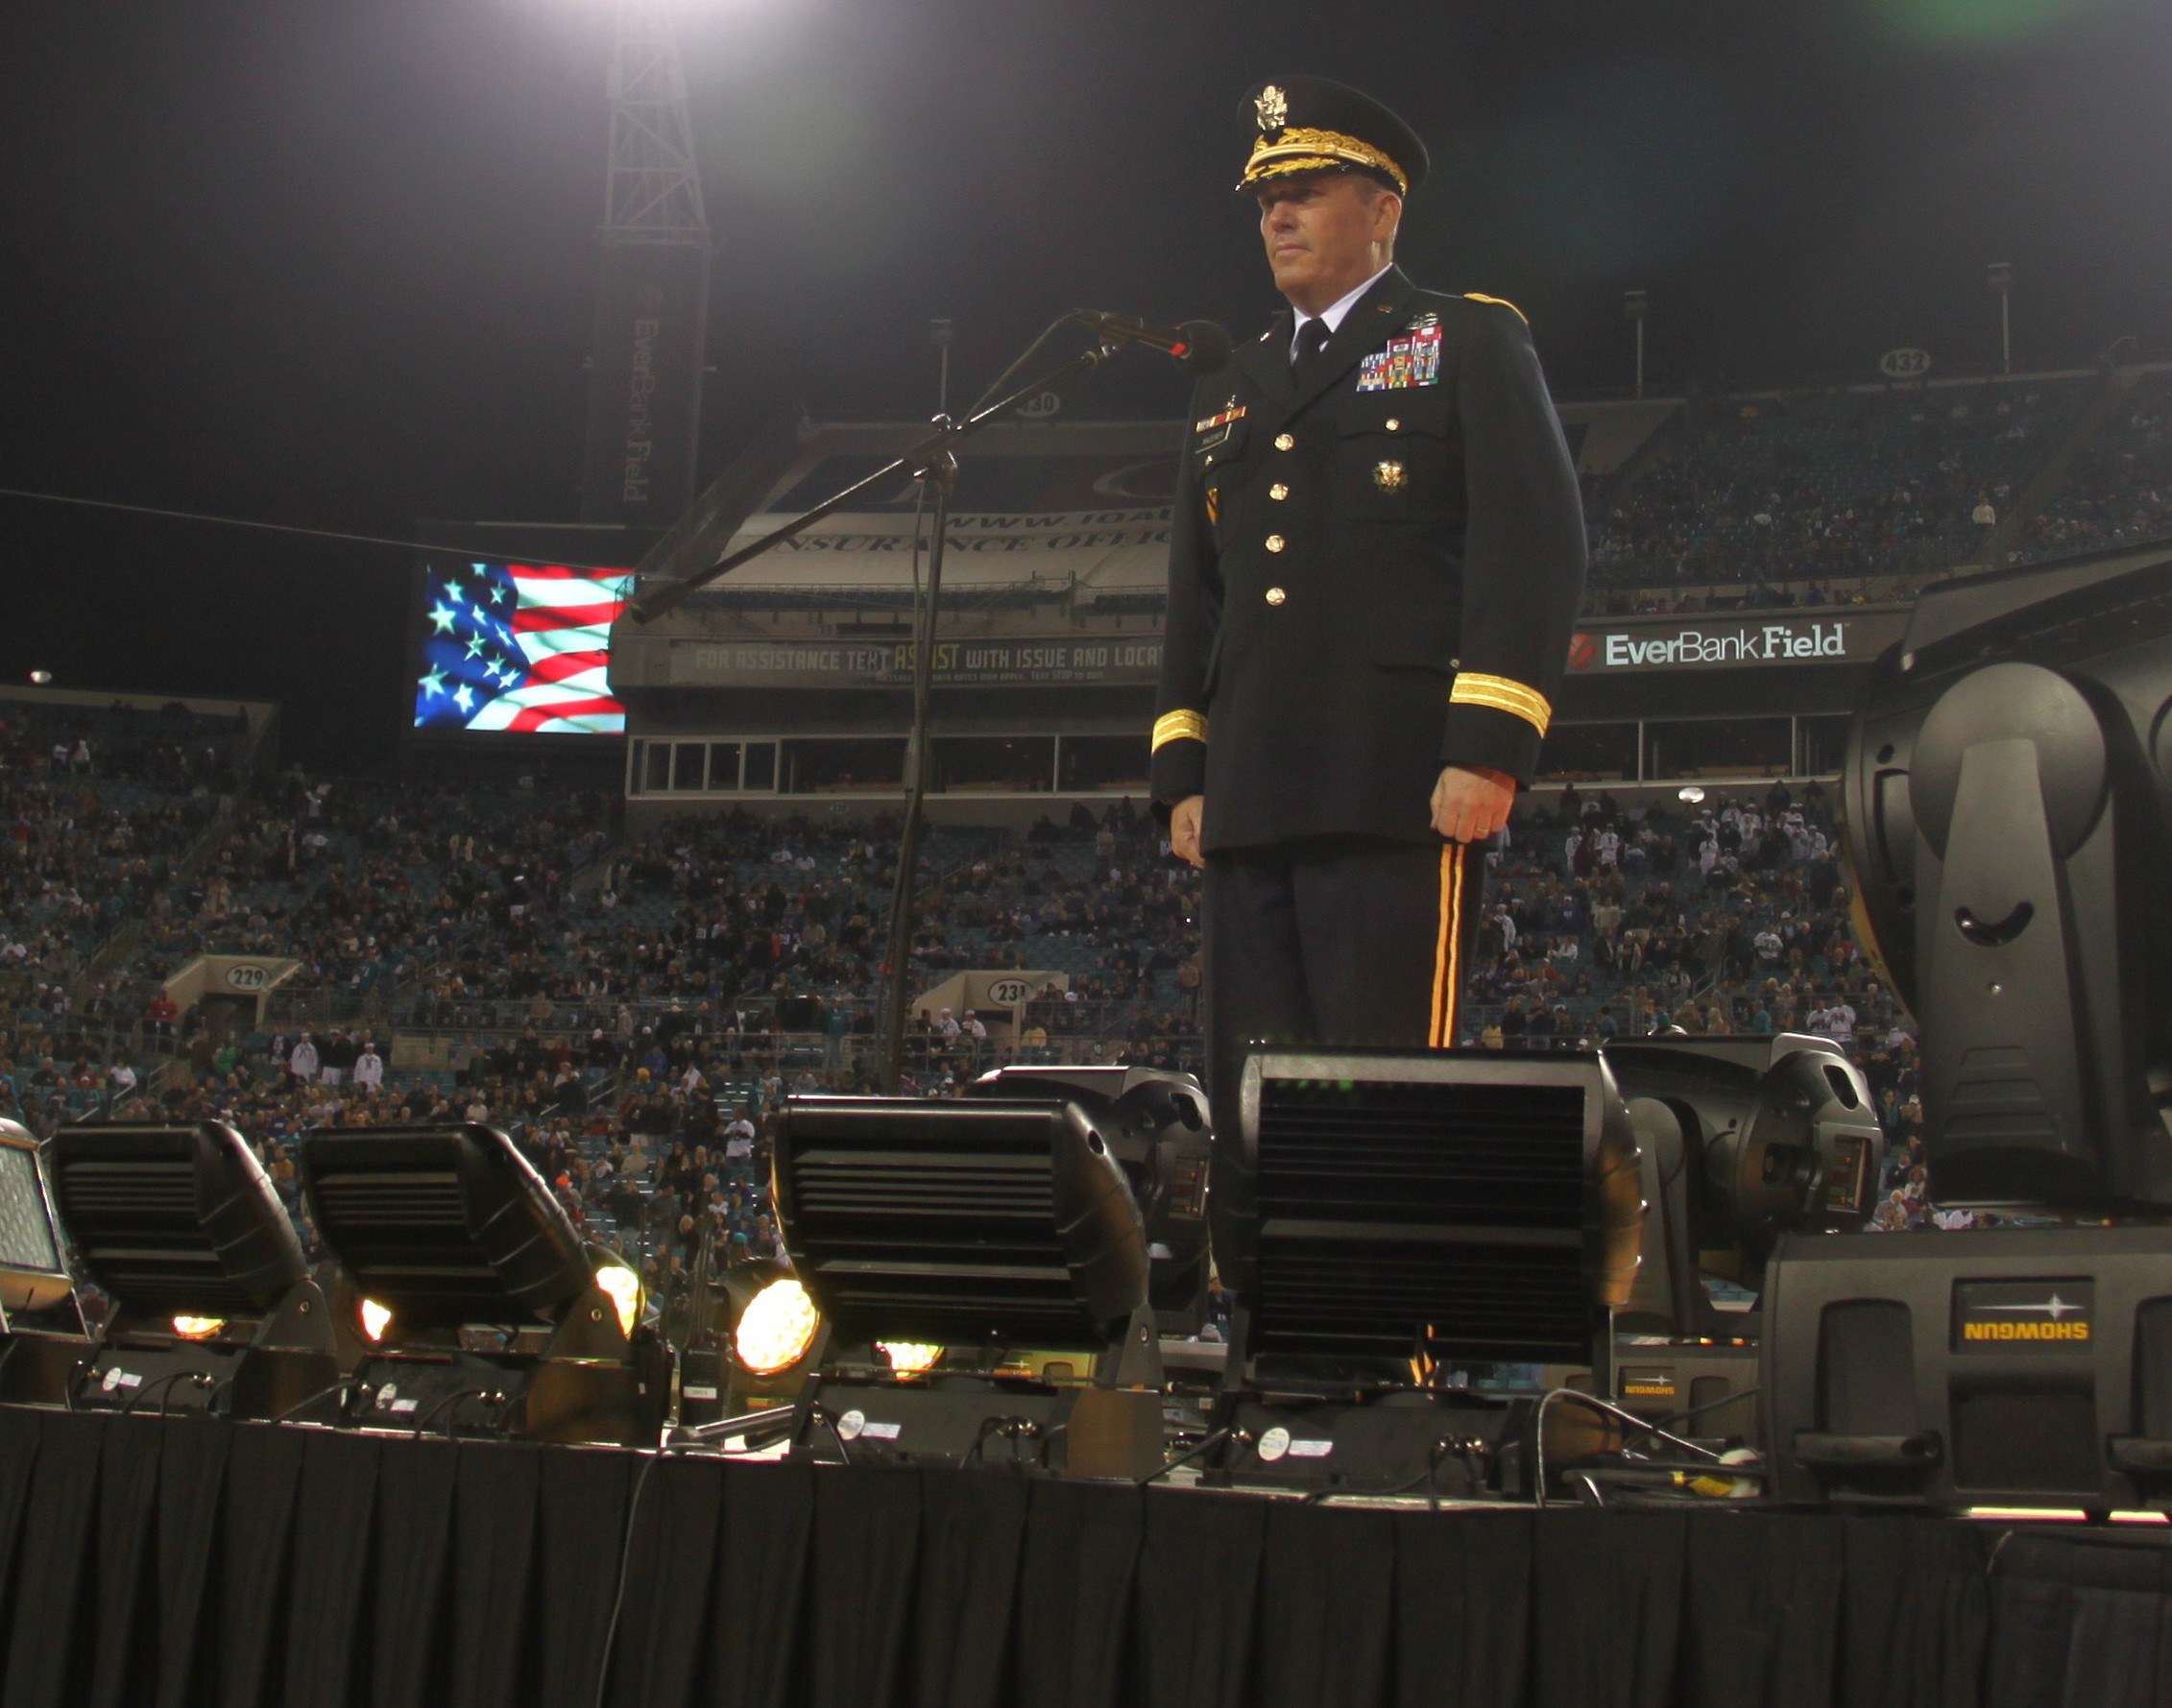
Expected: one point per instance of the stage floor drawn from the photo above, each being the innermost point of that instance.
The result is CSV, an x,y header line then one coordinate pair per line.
x,y
185,1561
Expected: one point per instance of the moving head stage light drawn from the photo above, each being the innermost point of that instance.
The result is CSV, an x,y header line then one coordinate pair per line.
x,y
989,1227
1158,1128
487,1309
2006,821
1742,1139
212,1302
1394,1213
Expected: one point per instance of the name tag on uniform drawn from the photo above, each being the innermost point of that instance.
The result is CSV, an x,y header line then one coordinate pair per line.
x,y
1410,360
1215,430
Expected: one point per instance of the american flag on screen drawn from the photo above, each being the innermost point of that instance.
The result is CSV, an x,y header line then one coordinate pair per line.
x,y
521,647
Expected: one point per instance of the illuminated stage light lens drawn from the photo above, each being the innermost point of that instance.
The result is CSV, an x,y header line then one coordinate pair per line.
x,y
776,1329
909,1358
625,1289
374,1319
198,1328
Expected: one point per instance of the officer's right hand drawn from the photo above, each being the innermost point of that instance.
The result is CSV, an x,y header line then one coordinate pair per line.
x,y
1184,821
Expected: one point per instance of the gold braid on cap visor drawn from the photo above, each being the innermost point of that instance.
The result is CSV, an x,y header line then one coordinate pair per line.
x,y
1300,149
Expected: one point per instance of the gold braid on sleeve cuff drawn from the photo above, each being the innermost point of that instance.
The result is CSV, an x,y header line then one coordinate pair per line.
x,y
1180,726
1475,688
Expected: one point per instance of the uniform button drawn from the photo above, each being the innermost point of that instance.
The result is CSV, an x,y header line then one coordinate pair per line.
x,y
1395,426
1275,595
1285,442
1275,543
1278,491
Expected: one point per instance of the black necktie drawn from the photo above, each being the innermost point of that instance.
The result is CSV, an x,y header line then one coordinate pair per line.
x,y
1311,336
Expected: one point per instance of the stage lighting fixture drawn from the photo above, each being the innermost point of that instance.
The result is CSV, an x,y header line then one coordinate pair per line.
x,y
2006,809
2007,812
755,1332
42,1337
1394,1213
213,1305
491,1313
1160,1130
2024,1366
777,1329
1743,1139
989,1226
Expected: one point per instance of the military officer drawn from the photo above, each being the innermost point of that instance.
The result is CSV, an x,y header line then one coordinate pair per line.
x,y
1376,561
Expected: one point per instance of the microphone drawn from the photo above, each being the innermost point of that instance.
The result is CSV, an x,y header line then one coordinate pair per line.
x,y
1200,346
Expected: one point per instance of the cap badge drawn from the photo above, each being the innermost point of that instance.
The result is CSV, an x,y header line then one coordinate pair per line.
x,y
1273,107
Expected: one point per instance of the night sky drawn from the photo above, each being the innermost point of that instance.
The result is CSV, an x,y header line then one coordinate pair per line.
x,y
331,262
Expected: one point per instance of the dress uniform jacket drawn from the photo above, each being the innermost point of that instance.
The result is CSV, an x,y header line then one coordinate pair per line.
x,y
1371,575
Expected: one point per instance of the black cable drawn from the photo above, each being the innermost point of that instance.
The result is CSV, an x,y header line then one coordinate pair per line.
x,y
1606,1408
237,521
502,1403
625,1565
443,1401
160,1384
1015,1427
345,1385
1205,1445
1002,384
1683,1418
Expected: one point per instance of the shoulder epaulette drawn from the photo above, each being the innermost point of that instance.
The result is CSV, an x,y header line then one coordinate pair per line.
x,y
1482,296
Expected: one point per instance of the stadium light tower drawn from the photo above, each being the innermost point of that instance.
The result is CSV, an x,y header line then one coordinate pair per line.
x,y
652,296
2002,281
1634,305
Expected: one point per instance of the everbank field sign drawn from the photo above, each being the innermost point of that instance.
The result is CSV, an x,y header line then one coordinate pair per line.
x,y
1663,645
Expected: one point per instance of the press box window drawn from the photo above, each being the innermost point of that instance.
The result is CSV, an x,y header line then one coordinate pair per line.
x,y
1588,753
1103,766
852,765
993,765
723,767
1719,747
1822,745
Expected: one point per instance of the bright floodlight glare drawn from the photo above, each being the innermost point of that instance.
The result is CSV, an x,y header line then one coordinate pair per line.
x,y
909,1358
42,678
776,1329
198,1328
374,1318
1691,794
625,1289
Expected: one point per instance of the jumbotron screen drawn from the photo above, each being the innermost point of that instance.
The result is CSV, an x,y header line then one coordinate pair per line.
x,y
520,648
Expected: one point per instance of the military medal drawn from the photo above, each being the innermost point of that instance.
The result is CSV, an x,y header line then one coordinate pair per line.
x,y
1409,361
1425,352
1213,432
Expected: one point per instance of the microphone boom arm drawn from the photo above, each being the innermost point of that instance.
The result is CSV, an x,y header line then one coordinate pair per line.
x,y
919,461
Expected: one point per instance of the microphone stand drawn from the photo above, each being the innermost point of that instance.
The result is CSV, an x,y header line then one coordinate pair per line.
x,y
933,463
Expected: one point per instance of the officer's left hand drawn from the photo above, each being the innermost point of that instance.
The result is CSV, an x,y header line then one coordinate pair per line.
x,y
1470,804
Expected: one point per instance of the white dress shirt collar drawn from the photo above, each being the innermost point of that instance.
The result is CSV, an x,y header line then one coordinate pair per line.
x,y
1334,313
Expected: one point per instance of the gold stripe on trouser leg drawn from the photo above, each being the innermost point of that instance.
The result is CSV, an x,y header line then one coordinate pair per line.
x,y
1446,972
